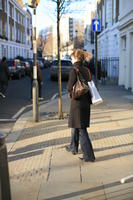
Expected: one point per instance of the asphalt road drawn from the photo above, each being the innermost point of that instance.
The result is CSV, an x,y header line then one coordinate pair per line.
x,y
18,97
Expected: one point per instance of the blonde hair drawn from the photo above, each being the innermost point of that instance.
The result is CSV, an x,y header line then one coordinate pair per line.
x,y
81,55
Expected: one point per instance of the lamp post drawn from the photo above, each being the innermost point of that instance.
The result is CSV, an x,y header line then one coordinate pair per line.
x,y
33,4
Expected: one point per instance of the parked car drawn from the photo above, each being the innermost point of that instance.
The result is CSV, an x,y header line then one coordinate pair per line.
x,y
27,67
15,68
23,71
66,66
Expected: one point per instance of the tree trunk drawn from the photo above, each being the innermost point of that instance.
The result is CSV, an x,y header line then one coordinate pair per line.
x,y
60,113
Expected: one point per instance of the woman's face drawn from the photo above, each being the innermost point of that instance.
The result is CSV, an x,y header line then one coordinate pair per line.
x,y
73,60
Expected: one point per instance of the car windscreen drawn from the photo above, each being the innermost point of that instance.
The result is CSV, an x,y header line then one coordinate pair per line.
x,y
63,63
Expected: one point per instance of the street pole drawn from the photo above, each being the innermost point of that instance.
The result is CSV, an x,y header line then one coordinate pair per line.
x,y
96,67
35,82
60,112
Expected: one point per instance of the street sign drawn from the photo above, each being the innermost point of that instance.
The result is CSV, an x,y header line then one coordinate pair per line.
x,y
96,25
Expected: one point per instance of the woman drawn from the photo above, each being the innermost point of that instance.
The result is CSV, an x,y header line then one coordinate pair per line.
x,y
79,118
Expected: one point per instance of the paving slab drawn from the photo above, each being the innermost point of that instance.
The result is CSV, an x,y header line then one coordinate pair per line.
x,y
41,169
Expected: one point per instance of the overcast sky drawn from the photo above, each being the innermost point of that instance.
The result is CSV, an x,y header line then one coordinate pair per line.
x,y
46,11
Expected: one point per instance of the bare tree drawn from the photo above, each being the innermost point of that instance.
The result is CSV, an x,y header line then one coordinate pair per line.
x,y
61,9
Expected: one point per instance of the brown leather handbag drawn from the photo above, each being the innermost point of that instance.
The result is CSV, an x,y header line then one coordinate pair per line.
x,y
79,88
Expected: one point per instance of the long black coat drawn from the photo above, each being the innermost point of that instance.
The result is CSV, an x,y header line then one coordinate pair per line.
x,y
80,109
4,72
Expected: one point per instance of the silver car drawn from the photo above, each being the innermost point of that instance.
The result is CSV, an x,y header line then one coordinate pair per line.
x,y
66,66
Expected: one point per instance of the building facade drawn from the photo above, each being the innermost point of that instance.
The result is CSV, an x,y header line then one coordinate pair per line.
x,y
108,39
126,44
89,36
15,30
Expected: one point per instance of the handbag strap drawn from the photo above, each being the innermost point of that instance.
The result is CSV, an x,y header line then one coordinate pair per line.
x,y
77,72
90,78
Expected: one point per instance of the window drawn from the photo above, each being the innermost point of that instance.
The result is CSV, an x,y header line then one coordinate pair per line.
x,y
0,26
63,63
112,12
124,43
19,18
117,10
13,52
5,6
12,32
16,13
0,4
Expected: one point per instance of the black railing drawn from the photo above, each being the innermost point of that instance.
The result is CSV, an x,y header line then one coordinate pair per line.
x,y
111,66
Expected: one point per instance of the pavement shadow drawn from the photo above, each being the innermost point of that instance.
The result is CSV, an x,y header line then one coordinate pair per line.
x,y
41,129
49,127
64,140
113,156
32,150
41,145
25,155
105,148
112,147
111,120
95,189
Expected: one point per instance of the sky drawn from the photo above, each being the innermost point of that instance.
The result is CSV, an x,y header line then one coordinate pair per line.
x,y
46,15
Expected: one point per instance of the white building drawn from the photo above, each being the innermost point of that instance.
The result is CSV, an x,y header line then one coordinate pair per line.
x,y
126,44
15,30
108,39
89,35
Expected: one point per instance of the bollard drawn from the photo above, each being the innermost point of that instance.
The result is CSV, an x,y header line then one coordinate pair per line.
x,y
5,193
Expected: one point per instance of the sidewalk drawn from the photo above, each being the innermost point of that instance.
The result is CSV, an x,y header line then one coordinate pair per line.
x,y
41,169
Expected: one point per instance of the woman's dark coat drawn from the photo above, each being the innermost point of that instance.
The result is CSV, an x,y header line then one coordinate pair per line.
x,y
79,109
4,72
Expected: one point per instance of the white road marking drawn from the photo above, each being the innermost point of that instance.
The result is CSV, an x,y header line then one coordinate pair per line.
x,y
54,96
19,112
23,108
7,120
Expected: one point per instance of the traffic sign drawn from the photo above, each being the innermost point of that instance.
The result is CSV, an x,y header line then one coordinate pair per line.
x,y
96,25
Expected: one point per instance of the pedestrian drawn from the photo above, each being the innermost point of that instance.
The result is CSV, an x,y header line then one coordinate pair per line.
x,y
79,118
4,76
39,79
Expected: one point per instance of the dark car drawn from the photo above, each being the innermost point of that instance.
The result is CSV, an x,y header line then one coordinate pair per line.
x,y
15,68
23,70
66,66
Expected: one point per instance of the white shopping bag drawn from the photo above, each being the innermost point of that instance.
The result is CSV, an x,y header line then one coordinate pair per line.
x,y
96,98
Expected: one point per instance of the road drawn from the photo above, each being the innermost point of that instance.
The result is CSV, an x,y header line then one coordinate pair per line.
x,y
18,99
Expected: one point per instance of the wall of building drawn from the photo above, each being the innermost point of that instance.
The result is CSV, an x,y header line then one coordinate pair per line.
x,y
126,44
18,41
108,39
